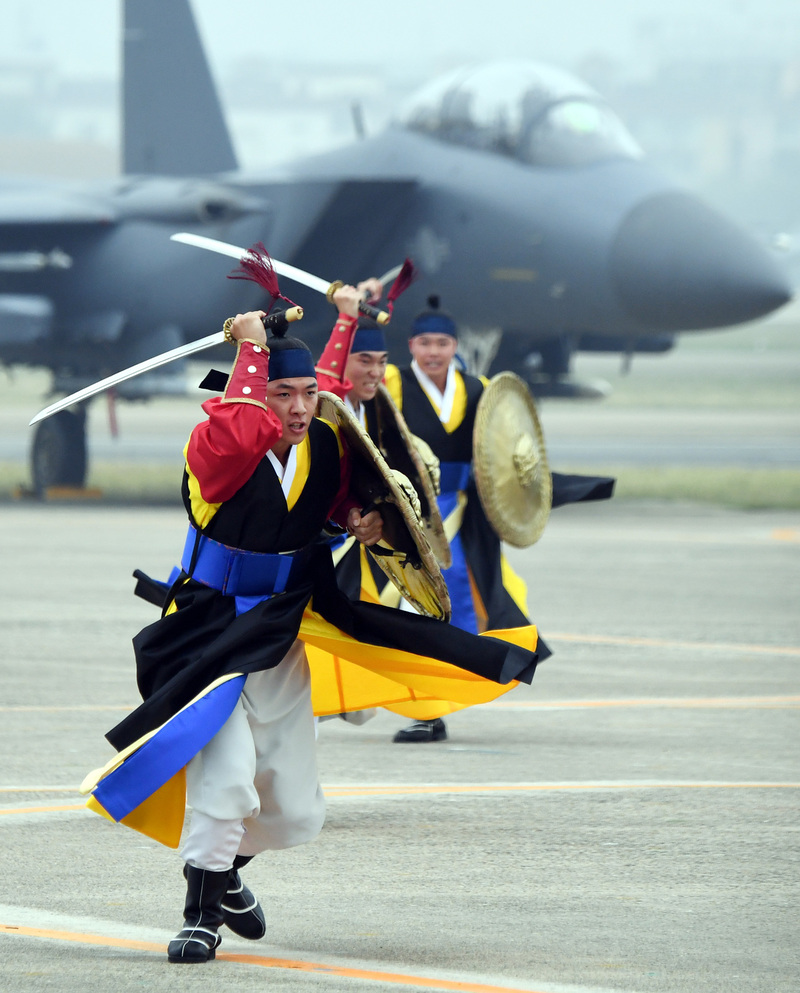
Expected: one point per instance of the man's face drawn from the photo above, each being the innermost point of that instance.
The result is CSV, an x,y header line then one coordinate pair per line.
x,y
365,370
433,353
294,401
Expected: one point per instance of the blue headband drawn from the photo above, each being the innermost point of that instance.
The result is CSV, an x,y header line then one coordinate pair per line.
x,y
291,363
369,340
431,322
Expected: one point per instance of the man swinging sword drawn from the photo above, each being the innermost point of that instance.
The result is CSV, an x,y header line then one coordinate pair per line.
x,y
226,721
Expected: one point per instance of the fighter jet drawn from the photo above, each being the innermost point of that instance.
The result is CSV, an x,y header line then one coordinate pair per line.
x,y
522,199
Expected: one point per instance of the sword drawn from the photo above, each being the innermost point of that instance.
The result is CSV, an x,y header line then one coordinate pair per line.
x,y
322,286
182,351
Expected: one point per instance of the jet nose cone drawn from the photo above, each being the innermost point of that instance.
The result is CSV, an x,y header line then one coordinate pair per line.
x,y
678,265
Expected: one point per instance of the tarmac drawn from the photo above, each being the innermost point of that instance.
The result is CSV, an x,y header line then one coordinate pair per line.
x,y
627,823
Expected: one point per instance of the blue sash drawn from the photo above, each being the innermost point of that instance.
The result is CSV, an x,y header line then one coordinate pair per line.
x,y
235,572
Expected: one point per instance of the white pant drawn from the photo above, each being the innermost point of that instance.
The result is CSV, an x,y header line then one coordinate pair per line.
x,y
255,784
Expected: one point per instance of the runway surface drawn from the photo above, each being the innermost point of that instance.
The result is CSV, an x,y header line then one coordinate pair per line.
x,y
627,823
690,408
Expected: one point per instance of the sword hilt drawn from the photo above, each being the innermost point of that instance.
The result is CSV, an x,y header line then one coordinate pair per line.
x,y
281,319
375,313
277,322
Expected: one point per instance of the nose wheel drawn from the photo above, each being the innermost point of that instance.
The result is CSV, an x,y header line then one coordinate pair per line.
x,y
58,454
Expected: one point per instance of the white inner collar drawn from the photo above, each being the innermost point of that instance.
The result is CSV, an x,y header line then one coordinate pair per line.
x,y
285,473
443,402
359,411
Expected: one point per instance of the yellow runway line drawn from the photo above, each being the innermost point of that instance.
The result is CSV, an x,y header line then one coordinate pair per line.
x,y
341,791
732,702
452,789
38,789
77,708
83,939
265,962
43,810
635,642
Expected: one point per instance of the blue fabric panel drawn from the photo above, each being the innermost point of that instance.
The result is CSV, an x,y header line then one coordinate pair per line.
x,y
168,751
457,576
453,476
245,603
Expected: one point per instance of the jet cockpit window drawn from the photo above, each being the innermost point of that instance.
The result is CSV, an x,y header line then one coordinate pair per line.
x,y
536,114
576,132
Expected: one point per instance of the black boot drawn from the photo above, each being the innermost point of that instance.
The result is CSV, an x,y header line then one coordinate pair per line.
x,y
202,914
241,911
435,730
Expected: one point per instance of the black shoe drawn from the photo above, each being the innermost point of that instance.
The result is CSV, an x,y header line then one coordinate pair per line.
x,y
434,730
198,940
193,944
241,911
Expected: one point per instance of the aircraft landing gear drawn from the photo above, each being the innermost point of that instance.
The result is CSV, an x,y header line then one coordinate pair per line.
x,y
58,455
546,371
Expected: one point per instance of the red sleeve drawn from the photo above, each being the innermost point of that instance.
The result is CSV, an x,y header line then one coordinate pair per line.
x,y
223,451
330,368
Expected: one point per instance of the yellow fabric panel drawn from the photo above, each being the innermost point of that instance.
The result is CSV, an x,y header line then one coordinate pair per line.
x,y
338,686
301,473
481,614
335,429
459,405
390,596
427,709
348,675
452,523
202,511
160,817
515,585
98,808
394,384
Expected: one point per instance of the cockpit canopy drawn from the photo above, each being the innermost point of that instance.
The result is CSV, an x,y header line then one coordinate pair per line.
x,y
537,114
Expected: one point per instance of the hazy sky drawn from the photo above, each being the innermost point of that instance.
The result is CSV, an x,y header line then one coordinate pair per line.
x,y
83,35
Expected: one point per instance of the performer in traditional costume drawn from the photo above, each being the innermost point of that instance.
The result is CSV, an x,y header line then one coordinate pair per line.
x,y
227,715
439,404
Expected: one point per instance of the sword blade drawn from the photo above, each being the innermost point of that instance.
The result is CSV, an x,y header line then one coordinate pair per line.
x,y
217,338
391,275
232,251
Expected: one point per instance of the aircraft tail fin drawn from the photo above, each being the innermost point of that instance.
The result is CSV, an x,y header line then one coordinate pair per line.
x,y
173,123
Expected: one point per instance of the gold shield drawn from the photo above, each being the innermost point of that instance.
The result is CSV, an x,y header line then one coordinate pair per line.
x,y
399,448
403,552
510,465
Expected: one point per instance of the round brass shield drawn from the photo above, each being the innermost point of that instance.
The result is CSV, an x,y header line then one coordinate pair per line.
x,y
512,474
403,552
400,452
